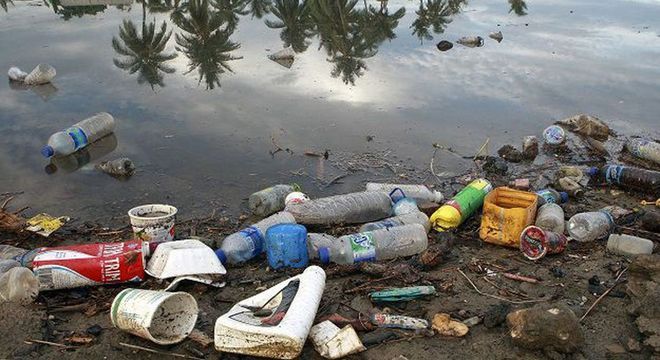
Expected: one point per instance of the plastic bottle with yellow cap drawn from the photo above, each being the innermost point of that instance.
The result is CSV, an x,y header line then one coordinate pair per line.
x,y
462,206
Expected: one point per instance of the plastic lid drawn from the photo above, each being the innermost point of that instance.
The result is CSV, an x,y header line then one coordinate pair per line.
x,y
593,171
564,196
324,255
438,197
221,256
47,151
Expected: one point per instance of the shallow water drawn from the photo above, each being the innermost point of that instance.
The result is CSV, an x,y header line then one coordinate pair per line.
x,y
201,131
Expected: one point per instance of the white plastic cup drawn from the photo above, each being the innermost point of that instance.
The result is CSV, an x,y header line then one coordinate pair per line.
x,y
153,222
163,317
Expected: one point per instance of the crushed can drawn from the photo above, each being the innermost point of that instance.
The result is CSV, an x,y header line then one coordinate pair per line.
x,y
535,242
91,264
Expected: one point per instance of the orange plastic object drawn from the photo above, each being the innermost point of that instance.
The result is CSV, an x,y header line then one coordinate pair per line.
x,y
506,213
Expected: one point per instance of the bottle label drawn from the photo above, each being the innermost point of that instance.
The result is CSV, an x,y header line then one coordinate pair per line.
x,y
613,174
78,136
257,240
547,196
363,247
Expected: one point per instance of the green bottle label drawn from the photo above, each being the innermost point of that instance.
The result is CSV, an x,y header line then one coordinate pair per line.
x,y
363,247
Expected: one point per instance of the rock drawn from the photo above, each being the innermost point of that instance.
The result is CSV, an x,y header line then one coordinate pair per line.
x,y
650,328
120,168
362,304
545,326
557,272
435,254
495,166
496,315
473,321
444,325
530,148
444,45
633,345
651,221
509,153
615,349
94,330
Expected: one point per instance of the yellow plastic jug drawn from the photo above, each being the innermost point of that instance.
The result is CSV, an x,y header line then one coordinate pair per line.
x,y
506,213
462,206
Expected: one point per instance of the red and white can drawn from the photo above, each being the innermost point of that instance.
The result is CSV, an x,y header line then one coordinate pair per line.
x,y
535,242
91,264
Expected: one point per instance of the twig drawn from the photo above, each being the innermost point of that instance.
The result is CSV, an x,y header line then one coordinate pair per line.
x,y
521,278
602,296
486,279
159,352
4,205
498,297
30,341
481,149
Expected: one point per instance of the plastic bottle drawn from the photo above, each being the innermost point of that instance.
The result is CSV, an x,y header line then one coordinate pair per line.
x,y
626,176
8,252
353,208
551,217
420,193
463,205
520,184
84,156
315,241
381,244
402,203
6,265
416,217
270,200
41,74
629,245
644,149
286,246
18,285
551,196
249,242
66,142
590,226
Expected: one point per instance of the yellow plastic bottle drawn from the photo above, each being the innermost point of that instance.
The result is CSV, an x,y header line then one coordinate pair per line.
x,y
462,206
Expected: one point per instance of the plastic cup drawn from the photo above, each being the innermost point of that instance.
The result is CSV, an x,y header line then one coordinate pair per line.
x,y
162,317
153,222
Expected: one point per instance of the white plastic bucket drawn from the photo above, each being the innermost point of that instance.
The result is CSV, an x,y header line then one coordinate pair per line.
x,y
153,222
162,317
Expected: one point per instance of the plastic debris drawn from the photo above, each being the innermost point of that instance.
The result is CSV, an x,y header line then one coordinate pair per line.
x,y
398,321
402,294
41,74
629,245
535,242
506,213
554,135
496,35
284,57
644,149
153,222
183,257
16,74
44,224
286,246
444,325
586,125
462,206
471,41
270,200
334,343
79,135
119,168
18,285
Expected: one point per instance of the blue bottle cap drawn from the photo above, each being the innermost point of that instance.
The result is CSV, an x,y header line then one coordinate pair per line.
x,y
221,256
564,196
593,171
324,255
47,151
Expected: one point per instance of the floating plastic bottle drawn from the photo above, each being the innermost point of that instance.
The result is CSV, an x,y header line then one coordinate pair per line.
x,y
630,177
462,206
270,200
286,246
376,245
416,217
18,285
66,142
420,193
551,196
629,245
590,226
551,217
353,208
82,157
249,242
644,149
41,74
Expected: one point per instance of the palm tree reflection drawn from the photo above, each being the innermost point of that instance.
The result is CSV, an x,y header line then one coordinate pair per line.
x,y
3,4
230,11
434,15
294,18
259,8
518,7
205,41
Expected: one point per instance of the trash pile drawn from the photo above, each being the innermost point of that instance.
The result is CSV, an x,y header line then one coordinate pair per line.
x,y
391,231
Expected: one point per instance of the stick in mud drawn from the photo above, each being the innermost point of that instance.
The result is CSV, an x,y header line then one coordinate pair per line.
x,y
498,297
603,295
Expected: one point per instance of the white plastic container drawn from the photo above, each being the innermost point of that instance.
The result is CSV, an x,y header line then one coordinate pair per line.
x,y
281,333
162,317
153,222
629,245
420,193
183,257
334,343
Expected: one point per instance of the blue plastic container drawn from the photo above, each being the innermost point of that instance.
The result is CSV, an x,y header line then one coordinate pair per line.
x,y
286,246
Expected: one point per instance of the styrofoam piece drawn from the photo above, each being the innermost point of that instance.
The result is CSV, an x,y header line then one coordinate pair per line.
x,y
274,323
16,74
162,317
211,280
183,257
335,343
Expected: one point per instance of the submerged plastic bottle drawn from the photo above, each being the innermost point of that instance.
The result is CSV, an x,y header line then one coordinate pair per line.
x,y
66,142
270,200
590,226
551,196
462,206
18,285
626,176
551,217
416,217
249,242
629,245
644,149
420,193
352,208
381,244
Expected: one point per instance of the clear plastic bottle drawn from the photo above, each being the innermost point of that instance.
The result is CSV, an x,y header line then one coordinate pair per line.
x,y
420,193
66,142
629,245
41,74
249,242
416,217
315,241
353,208
5,265
551,217
18,285
551,196
270,200
381,244
8,252
590,226
644,149
78,159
